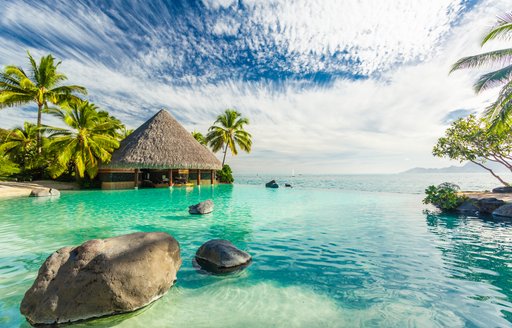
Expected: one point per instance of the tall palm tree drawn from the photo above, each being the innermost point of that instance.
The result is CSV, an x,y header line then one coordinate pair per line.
x,y
499,112
88,141
21,145
41,85
227,132
199,137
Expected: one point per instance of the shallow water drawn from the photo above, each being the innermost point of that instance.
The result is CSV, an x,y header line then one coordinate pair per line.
x,y
321,258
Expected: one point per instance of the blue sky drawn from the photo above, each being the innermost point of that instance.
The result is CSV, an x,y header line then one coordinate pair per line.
x,y
329,86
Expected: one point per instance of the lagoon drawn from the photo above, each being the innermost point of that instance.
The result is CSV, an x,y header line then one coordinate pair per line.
x,y
322,256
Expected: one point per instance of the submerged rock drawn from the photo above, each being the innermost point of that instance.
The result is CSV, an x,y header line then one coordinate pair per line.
x,y
468,207
201,208
44,192
502,190
489,205
287,185
505,211
221,256
272,184
102,277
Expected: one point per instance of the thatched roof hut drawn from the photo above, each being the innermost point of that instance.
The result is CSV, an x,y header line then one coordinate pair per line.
x,y
163,143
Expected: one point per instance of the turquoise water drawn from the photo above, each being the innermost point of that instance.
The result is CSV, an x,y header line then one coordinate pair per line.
x,y
322,257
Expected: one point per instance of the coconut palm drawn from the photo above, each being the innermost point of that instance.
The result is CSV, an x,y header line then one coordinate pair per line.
x,y
88,141
499,111
21,146
41,85
228,132
199,137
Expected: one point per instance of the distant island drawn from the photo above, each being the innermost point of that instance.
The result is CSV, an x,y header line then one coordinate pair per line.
x,y
466,168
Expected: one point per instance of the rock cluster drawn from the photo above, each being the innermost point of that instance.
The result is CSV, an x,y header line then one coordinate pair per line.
x,y
201,208
44,192
272,184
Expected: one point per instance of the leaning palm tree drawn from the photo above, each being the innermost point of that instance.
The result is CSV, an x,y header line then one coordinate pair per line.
x,y
228,132
499,112
88,141
41,85
199,137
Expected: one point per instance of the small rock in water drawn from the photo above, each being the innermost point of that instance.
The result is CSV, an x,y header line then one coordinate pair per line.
x,y
505,211
201,208
221,256
489,205
468,207
102,277
44,192
502,190
287,185
272,184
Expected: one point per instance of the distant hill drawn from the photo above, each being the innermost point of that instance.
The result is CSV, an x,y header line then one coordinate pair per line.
x,y
466,168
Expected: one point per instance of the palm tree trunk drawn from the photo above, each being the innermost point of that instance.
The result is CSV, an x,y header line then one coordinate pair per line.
x,y
39,113
225,151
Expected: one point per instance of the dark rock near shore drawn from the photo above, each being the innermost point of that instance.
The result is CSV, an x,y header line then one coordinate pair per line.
x,y
102,277
505,211
44,192
201,208
489,205
502,190
272,184
287,185
468,207
221,256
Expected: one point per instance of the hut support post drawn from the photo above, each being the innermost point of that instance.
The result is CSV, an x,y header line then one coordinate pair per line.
x,y
136,182
198,177
212,177
170,178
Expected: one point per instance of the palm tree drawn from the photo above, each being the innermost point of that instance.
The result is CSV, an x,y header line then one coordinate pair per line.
x,y
88,141
227,132
42,85
499,111
21,146
199,137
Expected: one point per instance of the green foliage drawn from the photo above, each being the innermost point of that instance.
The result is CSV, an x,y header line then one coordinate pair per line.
x,y
199,137
225,175
7,167
88,141
3,134
499,112
227,132
445,196
469,139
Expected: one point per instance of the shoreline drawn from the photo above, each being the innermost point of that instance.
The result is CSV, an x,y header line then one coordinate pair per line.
x,y
13,189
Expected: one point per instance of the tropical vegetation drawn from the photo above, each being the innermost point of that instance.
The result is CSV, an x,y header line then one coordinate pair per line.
x,y
41,85
199,137
228,132
444,196
469,139
225,175
499,112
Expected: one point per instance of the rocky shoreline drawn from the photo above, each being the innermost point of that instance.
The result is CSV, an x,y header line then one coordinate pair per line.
x,y
486,203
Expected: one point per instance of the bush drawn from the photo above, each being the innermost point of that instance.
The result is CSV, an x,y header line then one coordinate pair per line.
x,y
445,196
225,175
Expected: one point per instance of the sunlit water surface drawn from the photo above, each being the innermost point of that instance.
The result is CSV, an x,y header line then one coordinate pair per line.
x,y
322,257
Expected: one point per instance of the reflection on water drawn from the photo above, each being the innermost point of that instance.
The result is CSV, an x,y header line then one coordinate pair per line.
x,y
477,249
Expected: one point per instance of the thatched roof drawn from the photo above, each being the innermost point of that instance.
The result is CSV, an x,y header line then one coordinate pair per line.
x,y
163,143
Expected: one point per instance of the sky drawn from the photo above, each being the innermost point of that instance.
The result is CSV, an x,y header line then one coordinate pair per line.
x,y
328,86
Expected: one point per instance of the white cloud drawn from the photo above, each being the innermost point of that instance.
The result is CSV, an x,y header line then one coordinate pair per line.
x,y
384,124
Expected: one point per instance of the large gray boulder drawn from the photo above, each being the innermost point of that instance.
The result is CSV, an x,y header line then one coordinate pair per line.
x,y
201,208
102,277
44,192
489,205
219,256
505,211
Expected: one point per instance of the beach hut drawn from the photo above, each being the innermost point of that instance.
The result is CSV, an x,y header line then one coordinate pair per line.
x,y
159,153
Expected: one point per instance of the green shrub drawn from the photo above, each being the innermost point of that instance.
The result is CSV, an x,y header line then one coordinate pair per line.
x,y
225,175
445,196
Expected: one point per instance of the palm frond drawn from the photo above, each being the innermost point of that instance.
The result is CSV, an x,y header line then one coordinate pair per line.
x,y
493,79
502,56
502,30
